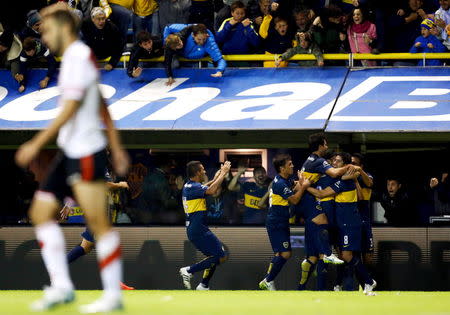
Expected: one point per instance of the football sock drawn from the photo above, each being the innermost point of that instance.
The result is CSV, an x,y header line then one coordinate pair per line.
x,y
340,270
360,270
53,247
75,253
307,269
275,267
110,263
324,239
206,263
321,275
207,275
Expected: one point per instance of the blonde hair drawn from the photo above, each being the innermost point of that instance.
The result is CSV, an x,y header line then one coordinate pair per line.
x,y
172,41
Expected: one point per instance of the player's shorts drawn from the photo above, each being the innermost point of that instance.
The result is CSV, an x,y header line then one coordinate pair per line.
x,y
350,238
367,245
64,172
88,236
208,244
315,243
280,238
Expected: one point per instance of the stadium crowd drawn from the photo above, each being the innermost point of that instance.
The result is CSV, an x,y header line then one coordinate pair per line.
x,y
151,28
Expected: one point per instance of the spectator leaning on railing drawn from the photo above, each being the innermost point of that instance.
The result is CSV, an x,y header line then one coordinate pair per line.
x,y
237,35
277,39
10,49
428,43
192,42
34,51
33,27
103,37
146,46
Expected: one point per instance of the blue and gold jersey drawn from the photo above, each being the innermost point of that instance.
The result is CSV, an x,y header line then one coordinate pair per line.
x,y
278,200
313,169
194,197
346,203
364,204
252,195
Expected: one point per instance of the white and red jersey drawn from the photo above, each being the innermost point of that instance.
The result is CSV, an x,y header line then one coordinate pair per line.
x,y
82,135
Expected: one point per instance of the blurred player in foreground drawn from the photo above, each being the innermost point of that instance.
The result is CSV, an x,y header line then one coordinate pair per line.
x,y
78,169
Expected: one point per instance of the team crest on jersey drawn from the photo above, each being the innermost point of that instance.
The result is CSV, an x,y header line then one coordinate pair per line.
x,y
319,207
285,244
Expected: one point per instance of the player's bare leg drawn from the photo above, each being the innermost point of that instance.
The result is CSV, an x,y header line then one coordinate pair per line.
x,y
92,197
52,243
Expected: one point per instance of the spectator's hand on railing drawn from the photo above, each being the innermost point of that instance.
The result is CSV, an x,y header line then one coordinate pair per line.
x,y
170,81
136,72
44,82
218,74
19,77
108,67
434,182
320,63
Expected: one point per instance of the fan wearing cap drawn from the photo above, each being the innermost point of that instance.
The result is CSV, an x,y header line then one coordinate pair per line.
x,y
103,37
428,43
33,27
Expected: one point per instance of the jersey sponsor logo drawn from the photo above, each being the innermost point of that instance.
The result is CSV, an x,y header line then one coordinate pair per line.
x,y
418,103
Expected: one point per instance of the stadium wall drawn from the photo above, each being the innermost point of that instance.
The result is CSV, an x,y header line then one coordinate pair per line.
x,y
405,258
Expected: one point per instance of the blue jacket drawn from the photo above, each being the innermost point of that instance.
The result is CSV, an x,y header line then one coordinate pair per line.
x,y
438,47
237,39
193,51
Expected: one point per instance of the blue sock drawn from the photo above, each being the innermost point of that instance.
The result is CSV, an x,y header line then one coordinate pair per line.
x,y
75,253
206,263
275,267
360,270
207,275
324,240
340,270
321,275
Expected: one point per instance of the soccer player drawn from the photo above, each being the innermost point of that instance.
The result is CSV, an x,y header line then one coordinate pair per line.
x,y
194,203
255,194
313,249
348,221
317,241
79,168
281,195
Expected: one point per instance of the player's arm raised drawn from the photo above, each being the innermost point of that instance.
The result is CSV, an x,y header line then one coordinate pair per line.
x,y
28,151
224,169
300,188
120,158
337,172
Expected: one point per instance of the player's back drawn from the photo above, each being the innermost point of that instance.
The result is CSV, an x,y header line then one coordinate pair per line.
x,y
82,135
279,204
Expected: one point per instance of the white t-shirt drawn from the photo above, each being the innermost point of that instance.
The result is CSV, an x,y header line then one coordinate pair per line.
x,y
82,135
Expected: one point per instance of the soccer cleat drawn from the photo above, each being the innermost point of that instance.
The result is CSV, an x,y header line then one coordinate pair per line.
x,y
103,305
267,285
123,286
368,288
332,259
186,276
338,288
202,287
52,298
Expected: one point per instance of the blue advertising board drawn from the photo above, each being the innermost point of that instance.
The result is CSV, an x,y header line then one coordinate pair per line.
x,y
252,99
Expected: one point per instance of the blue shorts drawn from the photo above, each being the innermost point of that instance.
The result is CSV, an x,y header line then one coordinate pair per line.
x,y
208,244
350,238
314,241
366,238
87,235
280,238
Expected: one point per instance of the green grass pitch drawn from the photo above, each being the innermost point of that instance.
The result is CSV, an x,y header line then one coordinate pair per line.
x,y
249,302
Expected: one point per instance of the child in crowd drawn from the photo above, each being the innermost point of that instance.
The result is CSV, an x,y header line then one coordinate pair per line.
x,y
305,46
428,43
